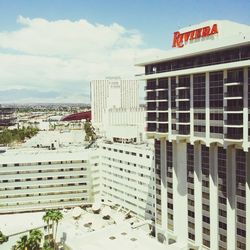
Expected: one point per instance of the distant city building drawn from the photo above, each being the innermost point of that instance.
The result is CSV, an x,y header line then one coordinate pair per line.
x,y
7,117
198,113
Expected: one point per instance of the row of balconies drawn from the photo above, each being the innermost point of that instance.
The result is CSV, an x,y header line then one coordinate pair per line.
x,y
153,106
162,128
34,168
39,198
23,177
184,106
43,183
153,85
42,205
9,171
184,129
232,120
41,190
48,165
159,95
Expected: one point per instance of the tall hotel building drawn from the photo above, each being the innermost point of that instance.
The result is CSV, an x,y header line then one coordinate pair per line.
x,y
126,93
198,100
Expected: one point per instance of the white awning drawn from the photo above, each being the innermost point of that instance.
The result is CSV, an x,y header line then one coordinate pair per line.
x,y
106,211
77,211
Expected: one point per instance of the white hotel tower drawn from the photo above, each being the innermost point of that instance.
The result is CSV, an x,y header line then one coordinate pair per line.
x,y
113,92
198,110
126,159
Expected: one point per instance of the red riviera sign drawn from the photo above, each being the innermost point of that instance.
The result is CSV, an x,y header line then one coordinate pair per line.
x,y
181,38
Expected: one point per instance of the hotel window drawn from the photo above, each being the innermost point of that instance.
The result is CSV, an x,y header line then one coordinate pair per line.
x,y
163,83
211,58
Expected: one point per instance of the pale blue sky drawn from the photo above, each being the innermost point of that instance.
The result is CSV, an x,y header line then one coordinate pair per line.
x,y
43,59
155,19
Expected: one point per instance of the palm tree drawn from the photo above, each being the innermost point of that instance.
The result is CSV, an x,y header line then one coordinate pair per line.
x,y
56,218
22,244
3,238
47,246
46,219
35,239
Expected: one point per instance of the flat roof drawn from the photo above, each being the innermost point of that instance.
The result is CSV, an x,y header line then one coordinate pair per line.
x,y
69,146
43,155
80,237
63,137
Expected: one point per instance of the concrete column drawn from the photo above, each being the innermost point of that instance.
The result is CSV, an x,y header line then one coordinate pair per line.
x,y
198,193
207,108
245,110
224,101
169,109
191,107
248,201
157,104
177,103
164,212
180,191
231,200
213,201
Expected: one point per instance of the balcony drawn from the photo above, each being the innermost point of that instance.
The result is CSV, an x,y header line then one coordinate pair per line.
x,y
183,123
183,118
163,84
233,109
182,88
150,87
162,95
199,122
184,129
182,99
163,117
151,127
233,123
151,117
163,106
238,136
151,106
233,95
163,128
151,96
184,96
199,134
183,108
233,83
216,135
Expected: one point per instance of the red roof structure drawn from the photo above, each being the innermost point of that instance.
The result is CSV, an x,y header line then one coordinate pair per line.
x,y
78,116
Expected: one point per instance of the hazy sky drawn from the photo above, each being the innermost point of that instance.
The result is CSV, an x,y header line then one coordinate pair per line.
x,y
51,49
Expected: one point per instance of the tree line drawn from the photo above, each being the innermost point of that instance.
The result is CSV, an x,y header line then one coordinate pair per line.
x,y
8,136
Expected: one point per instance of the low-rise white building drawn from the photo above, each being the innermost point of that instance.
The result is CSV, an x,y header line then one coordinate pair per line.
x,y
43,179
127,177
